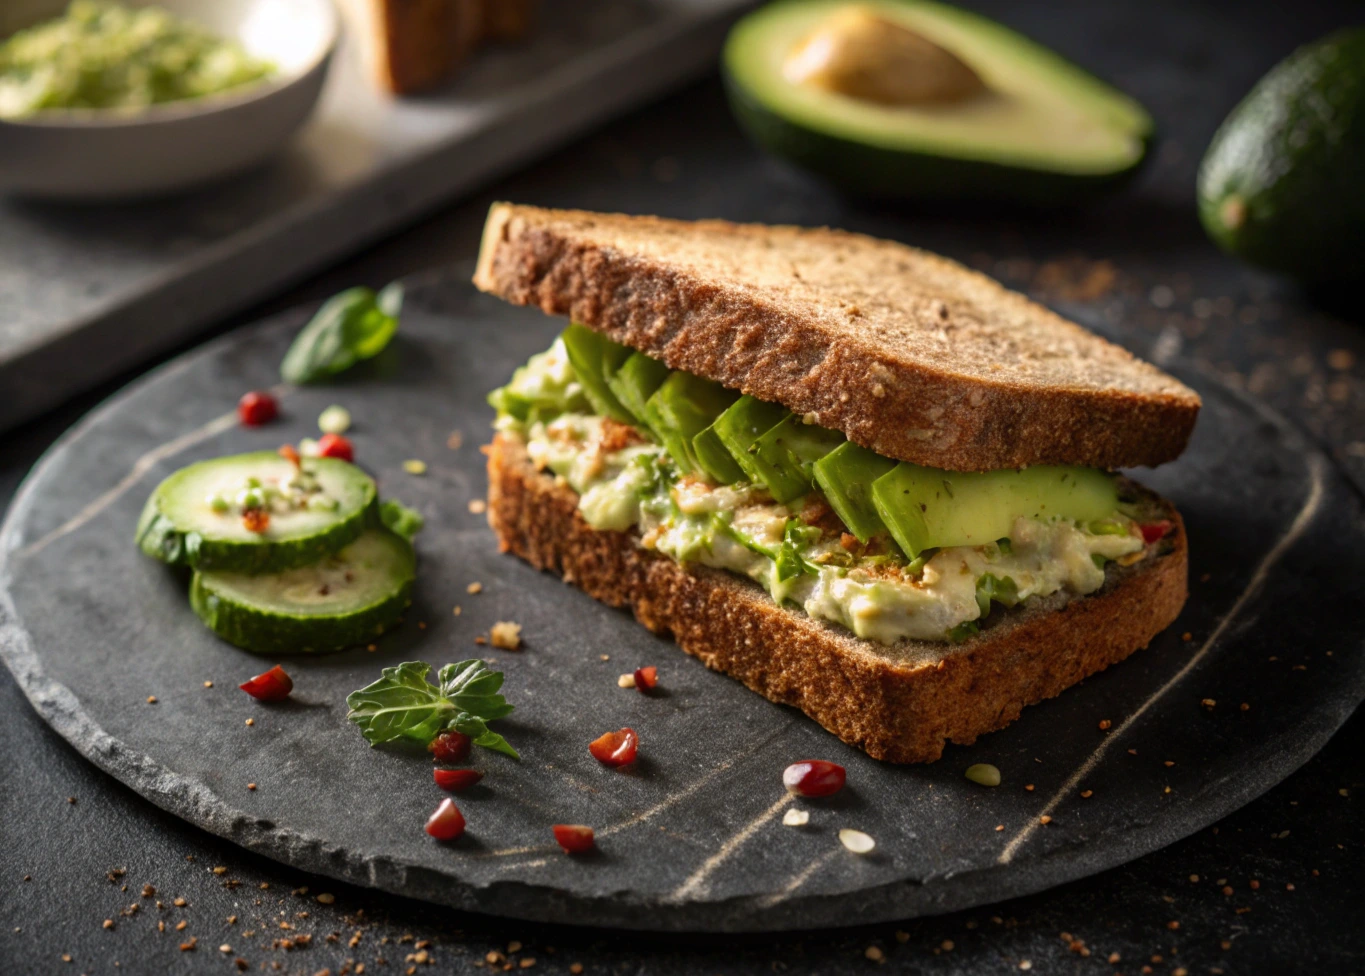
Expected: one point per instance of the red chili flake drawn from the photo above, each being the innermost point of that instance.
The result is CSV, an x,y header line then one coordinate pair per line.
x,y
813,777
615,748
256,520
574,838
335,446
646,679
1152,531
447,823
291,454
256,408
273,685
456,779
450,747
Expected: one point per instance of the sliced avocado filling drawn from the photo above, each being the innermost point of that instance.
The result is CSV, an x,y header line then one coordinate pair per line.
x,y
886,549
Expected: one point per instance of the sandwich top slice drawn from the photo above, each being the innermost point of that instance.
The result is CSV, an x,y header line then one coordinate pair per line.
x,y
910,462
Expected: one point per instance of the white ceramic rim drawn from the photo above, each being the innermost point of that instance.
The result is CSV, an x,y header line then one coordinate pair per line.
x,y
166,112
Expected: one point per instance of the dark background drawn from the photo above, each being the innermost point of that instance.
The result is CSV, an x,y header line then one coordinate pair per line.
x,y
1291,863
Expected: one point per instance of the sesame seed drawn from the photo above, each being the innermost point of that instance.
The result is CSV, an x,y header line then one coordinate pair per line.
x,y
999,827
151,699
326,898
180,903
108,923
220,870
251,721
1029,787
1045,820
478,506
875,954
1087,794
225,948
208,684
475,587
252,786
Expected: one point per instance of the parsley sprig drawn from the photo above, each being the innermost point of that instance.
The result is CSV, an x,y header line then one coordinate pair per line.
x,y
402,704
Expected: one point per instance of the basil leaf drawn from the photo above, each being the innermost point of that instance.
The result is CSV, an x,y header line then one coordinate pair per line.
x,y
401,704
353,325
401,520
789,561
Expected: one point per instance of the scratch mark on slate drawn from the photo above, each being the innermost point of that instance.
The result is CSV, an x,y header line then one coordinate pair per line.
x,y
1296,529
140,467
790,888
696,883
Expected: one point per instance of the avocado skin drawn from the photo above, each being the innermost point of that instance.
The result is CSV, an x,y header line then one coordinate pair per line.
x,y
1293,152
871,171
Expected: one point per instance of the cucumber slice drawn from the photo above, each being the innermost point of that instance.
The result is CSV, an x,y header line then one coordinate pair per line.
x,y
785,455
928,507
346,598
746,420
683,407
637,379
594,358
845,475
181,527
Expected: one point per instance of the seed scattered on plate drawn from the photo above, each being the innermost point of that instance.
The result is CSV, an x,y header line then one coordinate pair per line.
x,y
334,420
414,466
628,681
326,899
478,506
984,774
208,684
151,699
1045,820
474,588
875,954
856,841
796,818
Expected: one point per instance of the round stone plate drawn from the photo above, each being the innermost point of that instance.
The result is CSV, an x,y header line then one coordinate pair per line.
x,y
1265,663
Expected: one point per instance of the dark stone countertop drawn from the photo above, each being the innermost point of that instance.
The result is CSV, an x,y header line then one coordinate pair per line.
x,y
1141,257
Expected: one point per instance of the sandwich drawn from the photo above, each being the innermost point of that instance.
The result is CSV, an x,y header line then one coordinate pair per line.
x,y
860,478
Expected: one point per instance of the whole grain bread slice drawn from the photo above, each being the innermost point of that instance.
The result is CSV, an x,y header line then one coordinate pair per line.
x,y
901,702
907,353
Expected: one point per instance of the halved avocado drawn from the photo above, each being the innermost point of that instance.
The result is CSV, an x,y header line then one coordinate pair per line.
x,y
1038,130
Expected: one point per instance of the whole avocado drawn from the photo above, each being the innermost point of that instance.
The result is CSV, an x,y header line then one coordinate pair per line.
x,y
1283,182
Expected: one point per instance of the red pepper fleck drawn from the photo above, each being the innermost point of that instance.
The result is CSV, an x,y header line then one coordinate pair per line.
x,y
256,408
447,823
813,777
1152,531
574,838
273,685
335,446
256,520
615,748
646,679
456,779
450,747
291,454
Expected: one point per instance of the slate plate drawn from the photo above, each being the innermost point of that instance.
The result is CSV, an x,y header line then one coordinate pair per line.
x,y
690,837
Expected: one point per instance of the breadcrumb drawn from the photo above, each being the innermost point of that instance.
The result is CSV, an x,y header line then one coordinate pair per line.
x,y
506,635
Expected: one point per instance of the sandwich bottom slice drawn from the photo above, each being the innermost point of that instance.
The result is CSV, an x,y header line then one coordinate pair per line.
x,y
899,701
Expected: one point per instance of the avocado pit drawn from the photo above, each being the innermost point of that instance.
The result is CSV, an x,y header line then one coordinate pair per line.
x,y
859,53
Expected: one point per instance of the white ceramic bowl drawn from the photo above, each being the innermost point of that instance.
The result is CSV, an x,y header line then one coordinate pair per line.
x,y
111,154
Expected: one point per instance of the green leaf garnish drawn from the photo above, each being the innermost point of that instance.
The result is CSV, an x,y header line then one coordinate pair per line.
x,y
354,325
402,704
401,520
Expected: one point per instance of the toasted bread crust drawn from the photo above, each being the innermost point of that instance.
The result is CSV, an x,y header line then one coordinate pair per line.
x,y
420,43
900,703
907,353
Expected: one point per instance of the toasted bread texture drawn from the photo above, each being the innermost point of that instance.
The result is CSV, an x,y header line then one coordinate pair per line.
x,y
901,702
909,354
417,44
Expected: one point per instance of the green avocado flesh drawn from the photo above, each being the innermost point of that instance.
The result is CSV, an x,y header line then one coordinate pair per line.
x,y
349,597
741,484
1281,183
1043,131
181,526
928,508
595,358
680,409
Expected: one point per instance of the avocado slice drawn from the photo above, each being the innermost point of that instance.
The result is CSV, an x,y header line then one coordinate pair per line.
x,y
714,459
682,407
635,381
1280,185
931,508
785,455
845,475
1039,131
594,358
746,420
